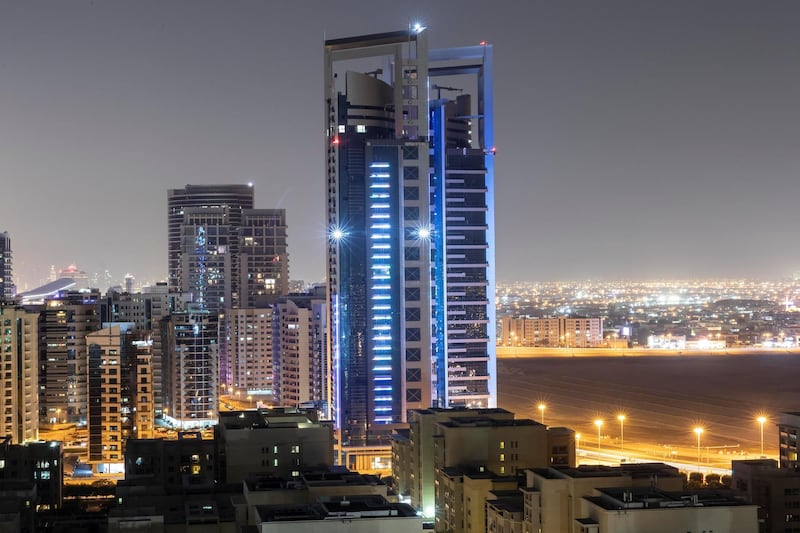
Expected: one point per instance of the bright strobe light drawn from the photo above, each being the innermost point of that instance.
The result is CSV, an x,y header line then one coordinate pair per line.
x,y
336,234
418,27
424,233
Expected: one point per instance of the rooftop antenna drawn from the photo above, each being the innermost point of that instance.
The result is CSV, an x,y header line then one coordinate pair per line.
x,y
440,88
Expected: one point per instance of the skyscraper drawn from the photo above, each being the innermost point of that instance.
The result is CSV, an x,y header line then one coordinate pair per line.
x,y
411,230
230,262
120,390
300,329
263,257
234,197
6,284
19,383
247,363
65,321
192,361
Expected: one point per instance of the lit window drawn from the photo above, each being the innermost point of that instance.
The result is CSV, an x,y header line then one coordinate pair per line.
x,y
361,128
502,444
341,128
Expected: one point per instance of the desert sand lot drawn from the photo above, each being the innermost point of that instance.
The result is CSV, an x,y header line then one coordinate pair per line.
x,y
663,397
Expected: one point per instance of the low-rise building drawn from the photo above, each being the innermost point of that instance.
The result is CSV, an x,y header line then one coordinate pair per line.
x,y
358,514
776,492
461,496
40,463
280,442
652,510
553,332
505,513
174,466
470,439
337,483
552,496
788,427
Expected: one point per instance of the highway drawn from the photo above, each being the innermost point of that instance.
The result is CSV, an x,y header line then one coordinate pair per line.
x,y
663,398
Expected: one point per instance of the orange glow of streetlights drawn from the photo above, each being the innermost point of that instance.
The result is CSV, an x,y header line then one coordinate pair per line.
x,y
761,420
541,407
698,431
621,419
599,424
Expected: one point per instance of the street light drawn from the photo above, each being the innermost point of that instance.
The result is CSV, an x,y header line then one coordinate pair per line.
x,y
698,431
541,408
599,424
761,419
249,399
621,419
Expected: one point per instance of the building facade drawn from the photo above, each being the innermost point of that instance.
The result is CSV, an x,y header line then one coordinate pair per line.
x,y
19,381
788,429
192,364
300,377
235,198
411,233
280,442
6,283
263,256
41,463
246,364
120,391
146,310
776,492
63,387
564,332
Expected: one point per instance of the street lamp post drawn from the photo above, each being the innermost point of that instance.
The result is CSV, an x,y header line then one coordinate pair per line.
x,y
761,420
621,419
599,424
698,431
541,408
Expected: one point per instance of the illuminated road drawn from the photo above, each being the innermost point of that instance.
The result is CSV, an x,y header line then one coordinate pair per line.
x,y
663,399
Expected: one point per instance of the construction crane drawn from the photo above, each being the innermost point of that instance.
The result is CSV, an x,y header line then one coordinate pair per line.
x,y
440,88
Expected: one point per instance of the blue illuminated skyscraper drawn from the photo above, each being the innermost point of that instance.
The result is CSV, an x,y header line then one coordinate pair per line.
x,y
411,230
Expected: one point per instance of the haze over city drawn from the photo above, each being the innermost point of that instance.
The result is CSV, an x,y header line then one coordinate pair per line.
x,y
634,139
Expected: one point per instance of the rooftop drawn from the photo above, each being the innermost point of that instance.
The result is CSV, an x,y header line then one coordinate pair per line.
x,y
351,507
650,498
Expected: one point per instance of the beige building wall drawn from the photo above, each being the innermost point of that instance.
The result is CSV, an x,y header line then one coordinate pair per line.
x,y
477,490
562,332
553,499
19,378
249,332
502,520
502,447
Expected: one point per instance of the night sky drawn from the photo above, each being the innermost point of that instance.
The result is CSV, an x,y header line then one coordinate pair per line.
x,y
634,139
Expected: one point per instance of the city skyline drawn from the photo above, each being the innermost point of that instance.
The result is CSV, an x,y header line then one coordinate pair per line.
x,y
634,140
